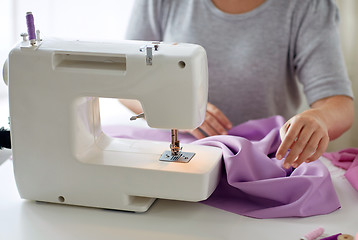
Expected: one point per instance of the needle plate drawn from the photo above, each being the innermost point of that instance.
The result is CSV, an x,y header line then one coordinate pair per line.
x,y
182,157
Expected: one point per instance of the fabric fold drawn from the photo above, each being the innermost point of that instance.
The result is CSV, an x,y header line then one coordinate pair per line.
x,y
253,181
348,160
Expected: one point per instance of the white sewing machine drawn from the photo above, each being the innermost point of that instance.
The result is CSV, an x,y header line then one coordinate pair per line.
x,y
61,154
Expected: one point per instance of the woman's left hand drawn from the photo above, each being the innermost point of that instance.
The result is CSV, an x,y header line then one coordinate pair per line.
x,y
305,136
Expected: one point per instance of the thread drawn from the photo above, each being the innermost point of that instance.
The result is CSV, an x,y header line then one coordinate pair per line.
x,y
314,234
31,27
333,237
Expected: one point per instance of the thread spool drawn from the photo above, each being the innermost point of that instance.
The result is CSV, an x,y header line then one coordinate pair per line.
x,y
313,235
345,237
31,27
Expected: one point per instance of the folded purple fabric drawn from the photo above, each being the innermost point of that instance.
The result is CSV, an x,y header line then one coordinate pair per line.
x,y
253,182
346,159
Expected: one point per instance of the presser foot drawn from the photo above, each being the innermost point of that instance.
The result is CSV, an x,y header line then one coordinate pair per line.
x,y
182,157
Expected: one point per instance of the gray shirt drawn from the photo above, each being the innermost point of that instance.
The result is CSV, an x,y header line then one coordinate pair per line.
x,y
256,59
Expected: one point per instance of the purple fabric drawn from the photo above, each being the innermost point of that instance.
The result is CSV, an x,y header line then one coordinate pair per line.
x,y
253,182
346,159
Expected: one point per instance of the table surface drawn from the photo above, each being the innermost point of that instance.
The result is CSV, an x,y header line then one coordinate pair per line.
x,y
166,219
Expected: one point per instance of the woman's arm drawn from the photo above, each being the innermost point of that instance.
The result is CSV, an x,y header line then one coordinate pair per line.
x,y
307,134
133,105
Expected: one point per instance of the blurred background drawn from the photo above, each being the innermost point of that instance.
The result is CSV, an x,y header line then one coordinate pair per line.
x,y
106,20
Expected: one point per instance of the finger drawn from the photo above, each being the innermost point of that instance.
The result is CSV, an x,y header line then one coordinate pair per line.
x,y
283,130
220,116
322,146
207,129
309,150
288,140
298,146
197,133
215,124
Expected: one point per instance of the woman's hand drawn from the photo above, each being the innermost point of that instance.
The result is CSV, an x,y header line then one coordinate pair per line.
x,y
305,136
215,123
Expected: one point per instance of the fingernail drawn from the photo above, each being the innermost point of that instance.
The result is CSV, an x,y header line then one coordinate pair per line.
x,y
229,125
286,165
279,157
295,165
224,132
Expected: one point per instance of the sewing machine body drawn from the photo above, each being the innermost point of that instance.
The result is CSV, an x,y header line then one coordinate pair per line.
x,y
61,154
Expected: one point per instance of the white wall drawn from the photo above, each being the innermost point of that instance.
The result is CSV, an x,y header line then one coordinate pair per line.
x,y
349,36
5,44
79,19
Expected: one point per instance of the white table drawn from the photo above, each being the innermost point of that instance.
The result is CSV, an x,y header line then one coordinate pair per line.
x,y
165,220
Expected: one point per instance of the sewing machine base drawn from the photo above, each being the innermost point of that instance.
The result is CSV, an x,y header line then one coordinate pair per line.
x,y
114,173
